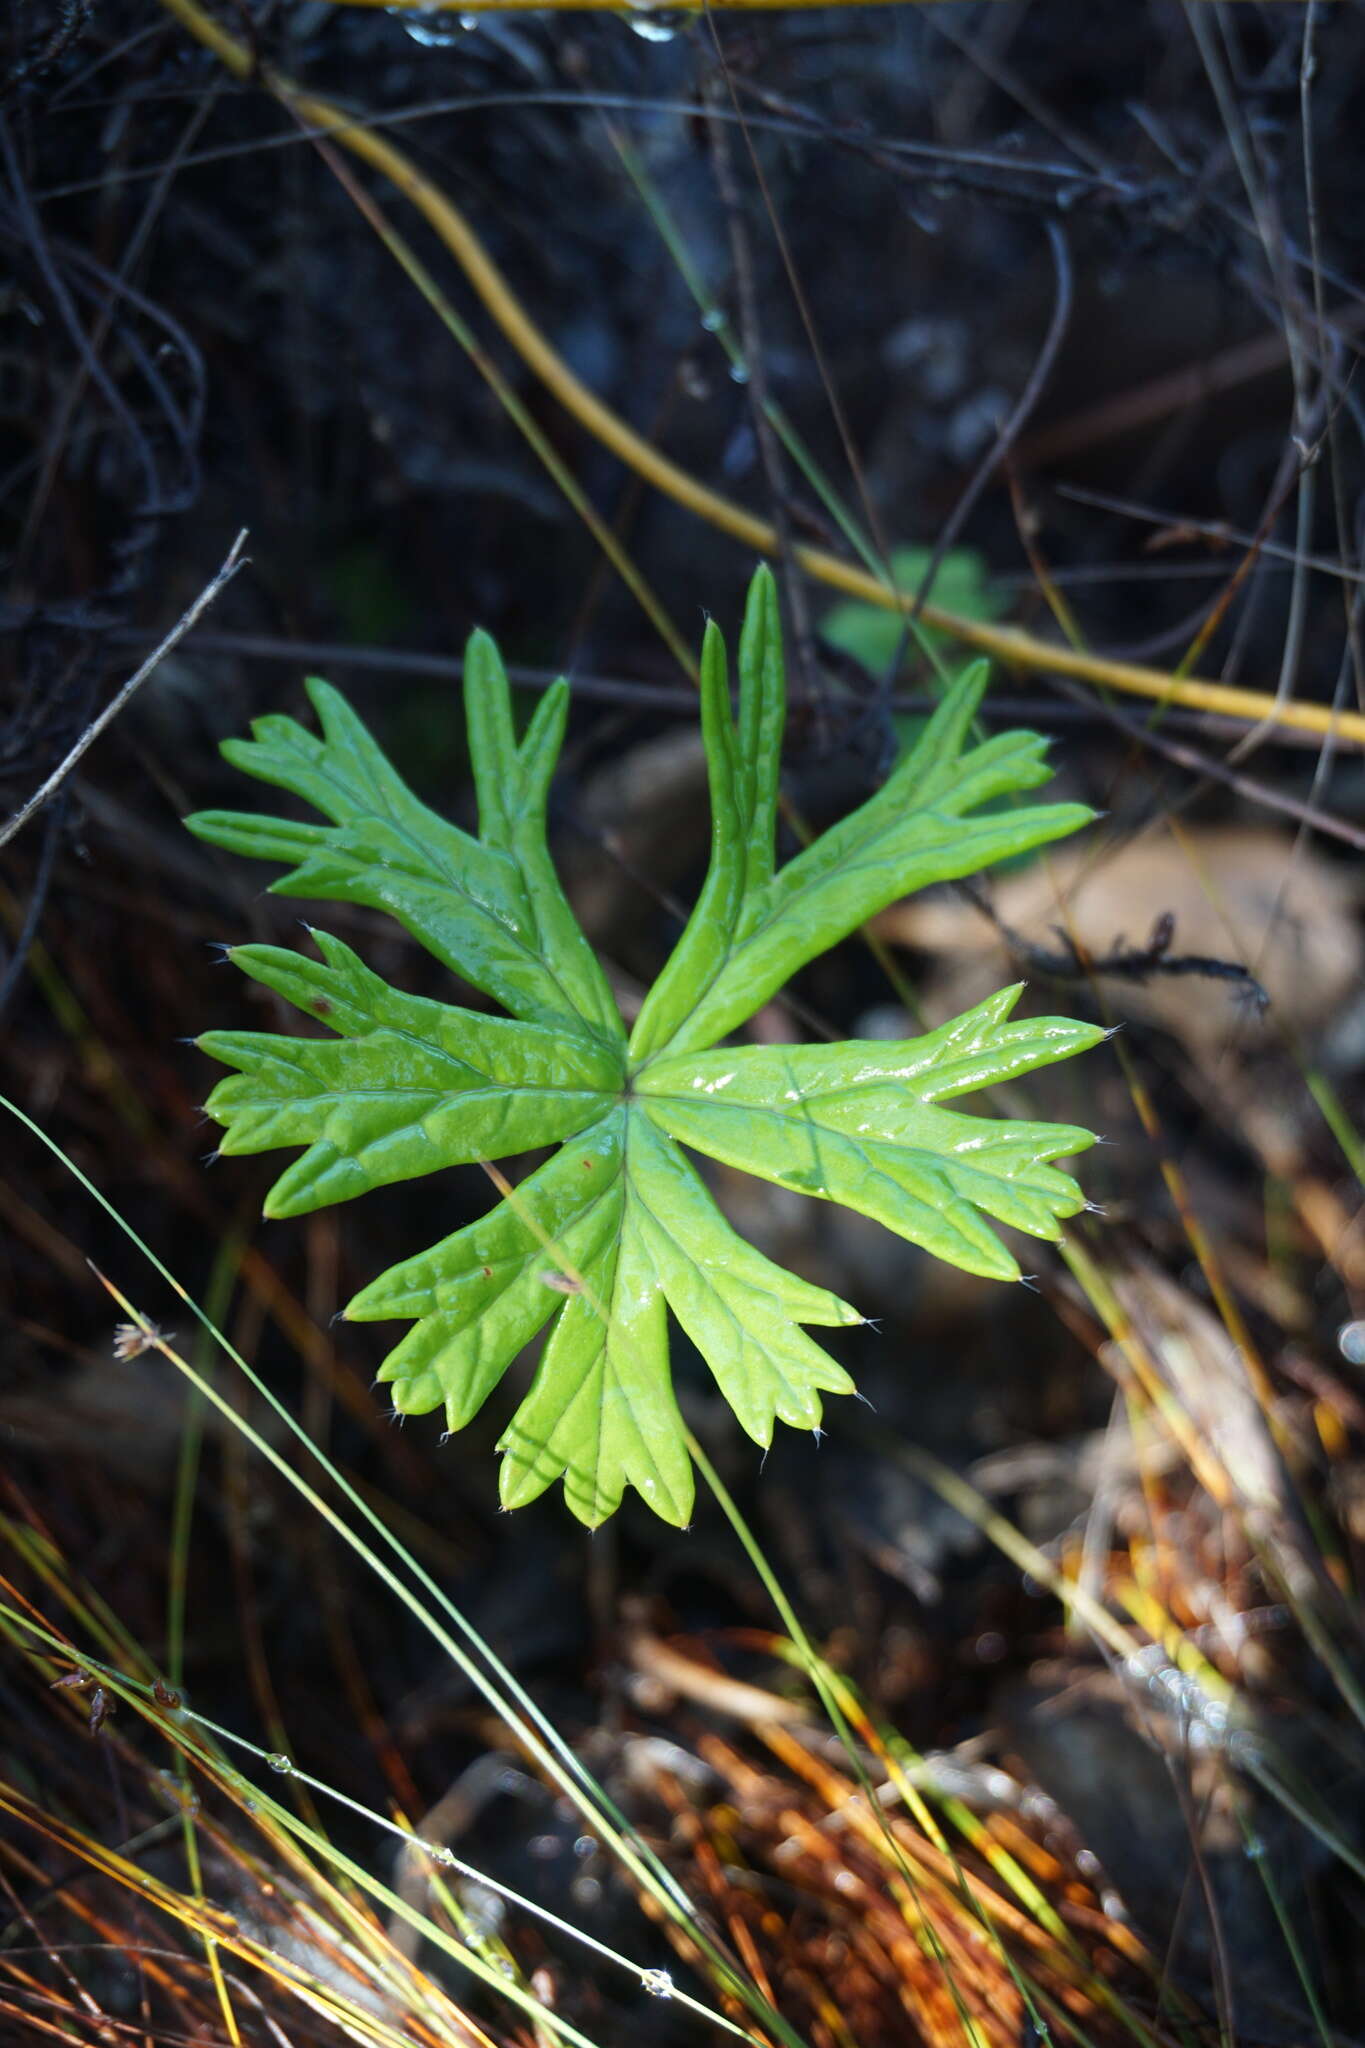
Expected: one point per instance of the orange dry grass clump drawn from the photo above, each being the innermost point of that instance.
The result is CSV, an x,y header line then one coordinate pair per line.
x,y
867,1925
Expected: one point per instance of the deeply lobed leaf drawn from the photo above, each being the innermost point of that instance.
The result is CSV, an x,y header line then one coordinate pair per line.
x,y
917,829
742,768
617,1228
491,908
857,1123
409,1087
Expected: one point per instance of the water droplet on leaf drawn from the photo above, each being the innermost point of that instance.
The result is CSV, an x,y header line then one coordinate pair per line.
x,y
433,27
652,24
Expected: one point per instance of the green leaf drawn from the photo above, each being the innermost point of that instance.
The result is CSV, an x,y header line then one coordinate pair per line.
x,y
742,768
873,636
410,1086
741,1311
858,1123
513,785
617,1228
917,829
484,908
482,1294
601,1413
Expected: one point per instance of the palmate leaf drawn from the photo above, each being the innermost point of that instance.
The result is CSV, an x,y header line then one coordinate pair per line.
x,y
618,1229
858,1123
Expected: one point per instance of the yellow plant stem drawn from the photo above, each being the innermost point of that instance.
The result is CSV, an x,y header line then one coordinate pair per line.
x,y
408,260
1009,645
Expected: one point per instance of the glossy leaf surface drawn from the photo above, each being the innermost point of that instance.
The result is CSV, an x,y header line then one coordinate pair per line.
x,y
618,1228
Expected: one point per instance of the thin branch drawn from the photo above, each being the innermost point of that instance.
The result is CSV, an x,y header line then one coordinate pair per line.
x,y
74,15
1013,424
1079,708
1072,961
1155,741
234,561
756,372
1180,527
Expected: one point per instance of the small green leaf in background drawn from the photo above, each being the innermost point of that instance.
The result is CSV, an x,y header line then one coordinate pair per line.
x,y
873,636
618,1229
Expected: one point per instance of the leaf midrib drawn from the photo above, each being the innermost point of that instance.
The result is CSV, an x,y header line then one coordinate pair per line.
x,y
408,1035
858,1141
630,1195
463,1095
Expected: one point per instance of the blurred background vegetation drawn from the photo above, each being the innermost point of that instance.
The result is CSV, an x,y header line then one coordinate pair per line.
x,y
1047,313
